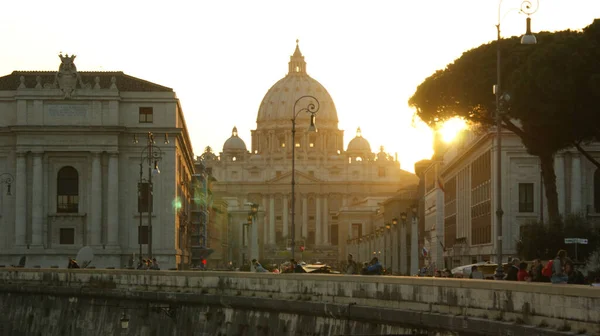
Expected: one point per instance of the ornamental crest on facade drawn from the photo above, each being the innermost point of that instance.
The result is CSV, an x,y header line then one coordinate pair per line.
x,y
67,76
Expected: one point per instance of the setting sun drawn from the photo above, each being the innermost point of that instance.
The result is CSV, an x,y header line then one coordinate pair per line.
x,y
451,128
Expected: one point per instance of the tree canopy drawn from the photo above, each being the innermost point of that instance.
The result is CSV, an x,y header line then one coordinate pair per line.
x,y
554,88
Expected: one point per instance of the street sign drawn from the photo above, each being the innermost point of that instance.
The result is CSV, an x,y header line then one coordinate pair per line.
x,y
583,241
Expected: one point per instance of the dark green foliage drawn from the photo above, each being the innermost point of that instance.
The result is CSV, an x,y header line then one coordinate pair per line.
x,y
543,241
554,88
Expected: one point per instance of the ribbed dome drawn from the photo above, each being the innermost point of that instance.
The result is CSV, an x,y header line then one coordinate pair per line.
x,y
359,144
234,143
278,103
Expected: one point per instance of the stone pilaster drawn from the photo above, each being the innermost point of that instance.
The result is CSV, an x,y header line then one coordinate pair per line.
x,y
304,217
318,224
95,225
325,220
113,200
271,219
37,218
285,216
21,200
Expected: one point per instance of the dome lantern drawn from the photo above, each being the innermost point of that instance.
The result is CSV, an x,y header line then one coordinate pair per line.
x,y
297,64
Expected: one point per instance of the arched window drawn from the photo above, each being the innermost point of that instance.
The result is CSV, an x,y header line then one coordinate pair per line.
x,y
67,190
597,190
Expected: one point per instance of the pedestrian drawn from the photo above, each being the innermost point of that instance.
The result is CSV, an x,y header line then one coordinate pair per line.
x,y
352,267
258,267
297,268
513,270
558,271
73,263
374,267
536,272
574,276
523,275
155,265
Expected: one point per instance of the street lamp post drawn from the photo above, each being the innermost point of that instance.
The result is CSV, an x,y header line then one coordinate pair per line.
x,y
152,154
312,108
388,235
251,221
502,98
6,178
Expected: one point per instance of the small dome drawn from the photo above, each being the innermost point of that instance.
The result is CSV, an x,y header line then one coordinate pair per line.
x,y
359,144
234,143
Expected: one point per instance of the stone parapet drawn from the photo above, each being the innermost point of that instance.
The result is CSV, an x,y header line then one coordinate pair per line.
x,y
476,304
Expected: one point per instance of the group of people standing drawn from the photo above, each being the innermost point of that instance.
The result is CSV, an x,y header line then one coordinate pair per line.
x,y
373,267
560,270
148,264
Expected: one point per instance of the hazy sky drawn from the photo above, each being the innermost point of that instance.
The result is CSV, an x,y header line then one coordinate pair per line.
x,y
221,57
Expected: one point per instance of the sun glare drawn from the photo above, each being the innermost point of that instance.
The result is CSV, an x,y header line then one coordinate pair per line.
x,y
451,128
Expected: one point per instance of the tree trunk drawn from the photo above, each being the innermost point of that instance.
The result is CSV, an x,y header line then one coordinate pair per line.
x,y
587,155
547,162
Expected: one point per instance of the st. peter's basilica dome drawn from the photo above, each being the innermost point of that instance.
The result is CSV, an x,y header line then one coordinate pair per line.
x,y
276,108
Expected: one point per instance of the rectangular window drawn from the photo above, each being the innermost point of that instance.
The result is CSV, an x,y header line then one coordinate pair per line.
x,y
525,197
143,234
381,172
146,115
67,236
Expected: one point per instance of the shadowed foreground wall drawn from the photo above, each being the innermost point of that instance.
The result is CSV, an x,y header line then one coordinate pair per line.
x,y
90,302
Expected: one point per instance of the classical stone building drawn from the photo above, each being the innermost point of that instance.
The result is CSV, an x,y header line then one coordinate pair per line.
x,y
460,195
76,145
337,190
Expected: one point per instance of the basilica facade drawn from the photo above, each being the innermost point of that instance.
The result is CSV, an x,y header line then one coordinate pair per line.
x,y
73,148
337,191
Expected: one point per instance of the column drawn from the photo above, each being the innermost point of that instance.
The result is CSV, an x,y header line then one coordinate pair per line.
x,y
559,170
95,209
21,200
318,230
37,218
112,220
265,220
325,221
304,217
403,254
285,216
414,247
576,205
271,219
